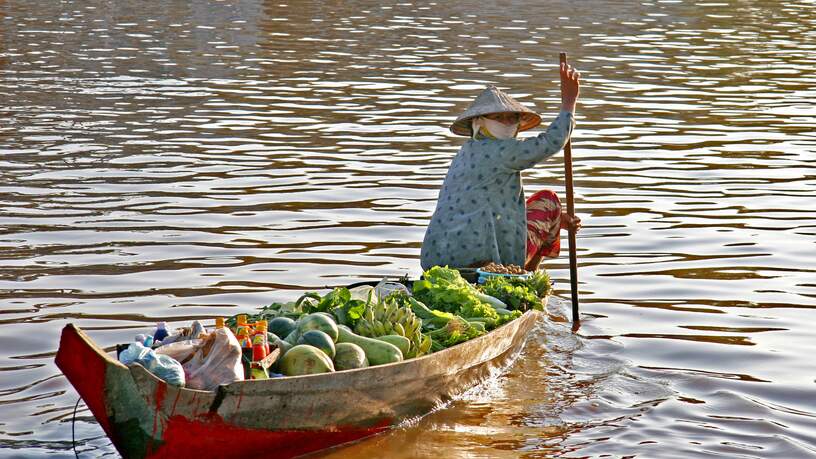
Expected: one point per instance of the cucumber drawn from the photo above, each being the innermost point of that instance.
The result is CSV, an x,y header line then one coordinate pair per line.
x,y
377,352
403,343
292,338
283,345
491,300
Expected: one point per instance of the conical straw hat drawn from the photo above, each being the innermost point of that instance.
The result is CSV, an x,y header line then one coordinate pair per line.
x,y
494,100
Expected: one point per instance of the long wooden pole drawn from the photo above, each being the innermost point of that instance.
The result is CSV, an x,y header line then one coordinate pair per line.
x,y
573,255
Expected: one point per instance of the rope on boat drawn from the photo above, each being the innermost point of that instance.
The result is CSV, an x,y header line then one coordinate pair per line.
x,y
73,420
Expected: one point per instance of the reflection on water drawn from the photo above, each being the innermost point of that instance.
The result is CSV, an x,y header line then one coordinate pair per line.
x,y
191,159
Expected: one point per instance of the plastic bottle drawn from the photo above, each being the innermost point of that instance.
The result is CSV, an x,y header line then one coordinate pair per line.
x,y
241,335
148,342
244,340
258,347
243,331
219,322
261,327
256,370
241,320
161,331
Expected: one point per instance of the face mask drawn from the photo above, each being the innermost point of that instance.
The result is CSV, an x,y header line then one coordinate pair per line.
x,y
493,129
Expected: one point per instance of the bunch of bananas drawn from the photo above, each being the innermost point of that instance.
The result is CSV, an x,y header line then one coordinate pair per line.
x,y
389,318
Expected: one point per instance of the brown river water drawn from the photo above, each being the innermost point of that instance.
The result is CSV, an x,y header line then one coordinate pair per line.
x,y
179,160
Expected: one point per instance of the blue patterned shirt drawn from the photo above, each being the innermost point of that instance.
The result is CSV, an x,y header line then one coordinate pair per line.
x,y
481,213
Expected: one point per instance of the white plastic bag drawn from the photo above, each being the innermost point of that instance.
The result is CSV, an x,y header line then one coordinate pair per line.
x,y
181,351
362,292
216,361
386,287
163,366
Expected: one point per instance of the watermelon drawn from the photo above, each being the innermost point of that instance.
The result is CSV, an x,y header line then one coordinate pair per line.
x,y
319,340
305,360
281,326
349,356
318,321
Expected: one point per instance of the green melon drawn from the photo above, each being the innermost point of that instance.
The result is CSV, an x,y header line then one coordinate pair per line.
x,y
305,360
318,321
281,326
349,356
319,340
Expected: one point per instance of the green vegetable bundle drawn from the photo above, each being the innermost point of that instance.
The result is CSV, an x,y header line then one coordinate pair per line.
x,y
339,303
518,293
457,330
444,289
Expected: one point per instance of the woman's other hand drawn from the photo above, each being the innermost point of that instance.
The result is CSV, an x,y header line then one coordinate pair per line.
x,y
570,87
569,222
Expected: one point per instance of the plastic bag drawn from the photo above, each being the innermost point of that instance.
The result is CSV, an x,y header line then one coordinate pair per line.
x,y
181,351
163,366
167,368
386,287
361,293
136,352
216,361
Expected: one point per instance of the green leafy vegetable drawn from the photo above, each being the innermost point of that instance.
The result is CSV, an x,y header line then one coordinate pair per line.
x,y
540,283
504,318
518,293
444,289
338,303
480,310
457,330
432,319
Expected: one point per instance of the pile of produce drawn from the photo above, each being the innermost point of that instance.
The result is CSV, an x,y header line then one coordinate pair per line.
x,y
342,330
348,329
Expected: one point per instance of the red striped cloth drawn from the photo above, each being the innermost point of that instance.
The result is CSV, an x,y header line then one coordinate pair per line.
x,y
543,225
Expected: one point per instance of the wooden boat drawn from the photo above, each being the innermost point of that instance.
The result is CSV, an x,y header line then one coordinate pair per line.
x,y
282,417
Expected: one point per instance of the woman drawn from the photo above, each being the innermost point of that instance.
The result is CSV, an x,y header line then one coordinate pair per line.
x,y
481,214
